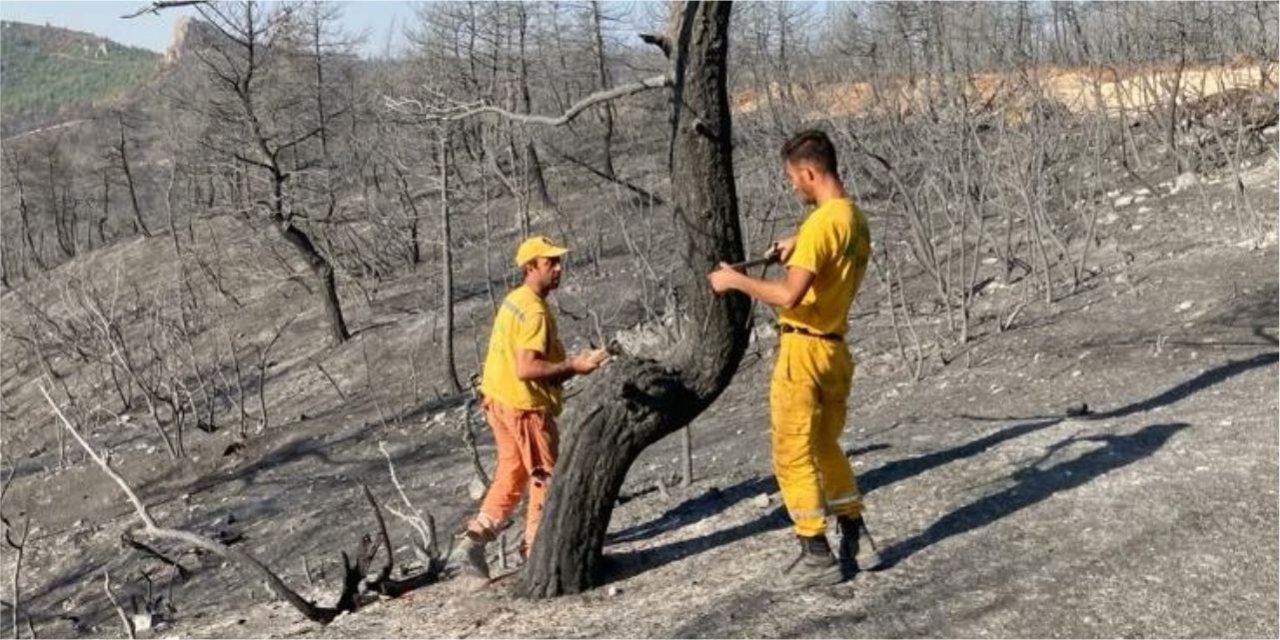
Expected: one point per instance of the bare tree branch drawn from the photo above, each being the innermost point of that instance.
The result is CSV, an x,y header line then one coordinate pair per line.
x,y
467,111
354,572
19,547
640,191
129,541
659,41
385,572
319,614
425,526
124,617
155,9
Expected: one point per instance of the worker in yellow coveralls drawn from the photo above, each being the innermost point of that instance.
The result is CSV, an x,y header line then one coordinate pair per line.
x,y
825,261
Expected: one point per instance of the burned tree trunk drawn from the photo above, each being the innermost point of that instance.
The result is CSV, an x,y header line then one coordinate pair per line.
x,y
254,130
122,151
415,250
446,268
24,214
636,402
319,264
534,178
602,66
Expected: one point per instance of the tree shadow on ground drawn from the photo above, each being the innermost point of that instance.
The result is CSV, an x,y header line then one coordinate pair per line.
x,y
1032,486
303,446
1202,381
899,470
712,501
709,503
422,410
716,501
624,565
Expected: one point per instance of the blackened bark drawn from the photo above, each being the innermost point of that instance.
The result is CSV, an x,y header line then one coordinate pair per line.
x,y
533,166
605,83
320,265
446,268
24,214
634,403
122,150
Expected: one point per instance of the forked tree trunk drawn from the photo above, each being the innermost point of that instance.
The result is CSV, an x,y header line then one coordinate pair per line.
x,y
24,214
122,149
319,264
633,403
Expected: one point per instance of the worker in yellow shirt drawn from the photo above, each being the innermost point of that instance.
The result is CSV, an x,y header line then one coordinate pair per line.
x,y
825,262
521,385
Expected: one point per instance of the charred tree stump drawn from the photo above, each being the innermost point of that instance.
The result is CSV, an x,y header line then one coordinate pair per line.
x,y
637,402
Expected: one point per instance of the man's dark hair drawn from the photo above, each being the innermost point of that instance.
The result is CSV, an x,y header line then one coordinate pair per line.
x,y
812,147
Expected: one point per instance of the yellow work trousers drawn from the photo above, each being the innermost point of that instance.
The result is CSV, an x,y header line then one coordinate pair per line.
x,y
807,407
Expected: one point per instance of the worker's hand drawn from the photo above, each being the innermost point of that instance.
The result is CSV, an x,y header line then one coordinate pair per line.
x,y
722,278
588,361
781,250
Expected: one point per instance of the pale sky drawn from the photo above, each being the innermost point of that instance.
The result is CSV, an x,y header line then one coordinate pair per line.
x,y
379,18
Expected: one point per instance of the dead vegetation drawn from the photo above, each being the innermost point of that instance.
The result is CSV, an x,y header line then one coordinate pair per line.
x,y
276,236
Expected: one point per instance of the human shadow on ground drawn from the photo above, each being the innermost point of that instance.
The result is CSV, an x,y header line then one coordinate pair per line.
x,y
715,501
1032,485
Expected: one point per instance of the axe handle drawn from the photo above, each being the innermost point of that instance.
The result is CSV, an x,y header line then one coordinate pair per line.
x,y
769,259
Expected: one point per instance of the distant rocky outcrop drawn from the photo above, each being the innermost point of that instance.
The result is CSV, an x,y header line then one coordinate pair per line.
x,y
189,34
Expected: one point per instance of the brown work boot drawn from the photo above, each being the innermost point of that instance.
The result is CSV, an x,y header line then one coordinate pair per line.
x,y
469,557
857,549
815,566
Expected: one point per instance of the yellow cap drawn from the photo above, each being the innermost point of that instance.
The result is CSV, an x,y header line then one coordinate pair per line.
x,y
537,247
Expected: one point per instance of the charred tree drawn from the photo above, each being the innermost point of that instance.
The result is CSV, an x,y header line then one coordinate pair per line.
x,y
602,67
446,268
252,116
121,151
637,402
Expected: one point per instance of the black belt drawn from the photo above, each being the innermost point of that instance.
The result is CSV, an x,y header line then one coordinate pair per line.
x,y
787,328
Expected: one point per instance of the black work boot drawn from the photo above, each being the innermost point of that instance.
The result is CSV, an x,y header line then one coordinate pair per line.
x,y
815,566
857,549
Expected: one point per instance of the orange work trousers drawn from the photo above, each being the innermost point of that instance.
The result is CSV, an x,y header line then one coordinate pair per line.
x,y
527,445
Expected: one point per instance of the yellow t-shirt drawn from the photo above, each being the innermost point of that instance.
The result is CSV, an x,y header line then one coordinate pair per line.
x,y
523,322
834,244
